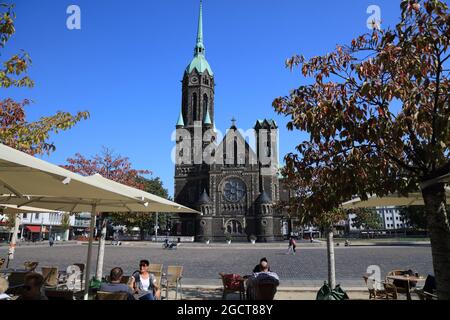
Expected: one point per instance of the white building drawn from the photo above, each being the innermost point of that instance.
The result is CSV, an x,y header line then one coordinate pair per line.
x,y
390,217
35,226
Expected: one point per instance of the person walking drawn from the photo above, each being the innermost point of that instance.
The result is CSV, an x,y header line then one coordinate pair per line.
x,y
292,245
51,241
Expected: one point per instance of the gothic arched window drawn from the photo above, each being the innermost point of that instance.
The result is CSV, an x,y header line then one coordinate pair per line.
x,y
235,153
194,106
205,104
234,227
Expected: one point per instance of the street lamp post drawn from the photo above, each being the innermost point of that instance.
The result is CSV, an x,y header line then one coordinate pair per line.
x,y
156,227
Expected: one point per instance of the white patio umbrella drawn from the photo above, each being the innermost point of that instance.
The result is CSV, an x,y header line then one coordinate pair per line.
x,y
26,180
154,204
14,209
392,200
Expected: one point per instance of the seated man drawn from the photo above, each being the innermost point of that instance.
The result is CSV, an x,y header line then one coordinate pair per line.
x,y
258,266
32,288
115,284
264,276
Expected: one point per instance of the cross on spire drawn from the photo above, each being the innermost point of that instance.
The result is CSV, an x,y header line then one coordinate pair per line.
x,y
233,122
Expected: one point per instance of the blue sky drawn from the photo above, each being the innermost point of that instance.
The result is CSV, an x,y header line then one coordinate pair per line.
x,y
125,65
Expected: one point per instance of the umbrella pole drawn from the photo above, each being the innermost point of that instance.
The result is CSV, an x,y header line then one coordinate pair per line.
x,y
88,263
12,245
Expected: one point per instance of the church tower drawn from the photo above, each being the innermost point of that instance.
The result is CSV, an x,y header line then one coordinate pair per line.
x,y
196,117
234,198
198,85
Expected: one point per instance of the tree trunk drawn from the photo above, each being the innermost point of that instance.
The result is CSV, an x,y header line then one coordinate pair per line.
x,y
66,235
12,245
101,250
330,256
439,229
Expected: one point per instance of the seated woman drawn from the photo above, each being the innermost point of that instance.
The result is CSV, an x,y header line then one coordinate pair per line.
x,y
145,284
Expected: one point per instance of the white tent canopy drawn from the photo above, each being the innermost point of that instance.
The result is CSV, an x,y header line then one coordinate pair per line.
x,y
393,200
11,209
26,181
153,203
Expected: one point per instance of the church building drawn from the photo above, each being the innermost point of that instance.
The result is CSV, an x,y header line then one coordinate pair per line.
x,y
233,186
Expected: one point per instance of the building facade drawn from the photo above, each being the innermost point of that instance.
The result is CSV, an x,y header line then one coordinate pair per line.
x,y
39,226
224,180
391,219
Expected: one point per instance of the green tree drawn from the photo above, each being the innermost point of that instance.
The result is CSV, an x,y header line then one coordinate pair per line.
x,y
304,204
367,219
8,220
378,118
65,221
15,130
144,221
414,216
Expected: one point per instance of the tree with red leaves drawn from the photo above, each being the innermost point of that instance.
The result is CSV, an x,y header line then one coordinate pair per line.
x,y
15,130
378,117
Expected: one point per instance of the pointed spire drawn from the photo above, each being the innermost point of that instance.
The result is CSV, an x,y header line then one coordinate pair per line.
x,y
207,120
200,48
180,122
263,198
204,198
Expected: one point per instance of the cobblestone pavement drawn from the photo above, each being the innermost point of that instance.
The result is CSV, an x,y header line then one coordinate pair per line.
x,y
202,265
216,294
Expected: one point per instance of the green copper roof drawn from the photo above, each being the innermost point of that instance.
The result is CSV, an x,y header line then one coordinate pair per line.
x,y
200,28
199,62
207,119
180,120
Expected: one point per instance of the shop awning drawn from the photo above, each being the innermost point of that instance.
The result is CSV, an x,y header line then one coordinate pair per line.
x,y
36,229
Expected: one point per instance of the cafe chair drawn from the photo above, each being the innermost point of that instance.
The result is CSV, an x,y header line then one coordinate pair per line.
x,y
101,295
390,291
232,283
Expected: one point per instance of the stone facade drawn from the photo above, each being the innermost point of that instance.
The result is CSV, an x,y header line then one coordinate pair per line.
x,y
236,192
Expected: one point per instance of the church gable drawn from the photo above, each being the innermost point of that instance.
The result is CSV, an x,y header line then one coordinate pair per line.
x,y
235,150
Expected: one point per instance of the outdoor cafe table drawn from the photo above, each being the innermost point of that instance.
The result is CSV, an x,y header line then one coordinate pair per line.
x,y
408,280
